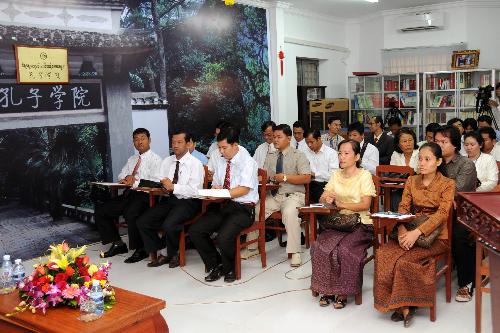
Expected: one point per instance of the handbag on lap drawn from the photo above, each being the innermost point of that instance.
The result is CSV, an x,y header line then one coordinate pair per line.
x,y
340,222
422,241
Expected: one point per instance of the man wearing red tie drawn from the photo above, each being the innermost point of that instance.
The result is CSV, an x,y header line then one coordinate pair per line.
x,y
239,176
131,204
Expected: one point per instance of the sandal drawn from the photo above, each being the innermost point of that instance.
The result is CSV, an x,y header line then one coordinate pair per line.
x,y
325,300
339,303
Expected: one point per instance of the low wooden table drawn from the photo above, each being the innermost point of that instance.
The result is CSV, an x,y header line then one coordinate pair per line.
x,y
132,313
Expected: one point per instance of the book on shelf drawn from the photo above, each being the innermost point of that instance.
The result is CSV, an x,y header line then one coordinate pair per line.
x,y
440,117
408,100
441,101
391,100
468,99
484,80
440,82
468,114
367,101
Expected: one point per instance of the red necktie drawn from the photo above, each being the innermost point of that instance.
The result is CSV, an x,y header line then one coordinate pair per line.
x,y
227,178
136,168
176,173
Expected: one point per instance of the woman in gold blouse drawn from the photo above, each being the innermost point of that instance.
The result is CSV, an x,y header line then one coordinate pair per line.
x,y
403,271
337,257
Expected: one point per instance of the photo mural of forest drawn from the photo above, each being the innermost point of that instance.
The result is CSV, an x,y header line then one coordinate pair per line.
x,y
215,61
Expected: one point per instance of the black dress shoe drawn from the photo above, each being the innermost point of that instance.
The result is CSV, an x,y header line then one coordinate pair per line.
x,y
174,262
161,260
230,277
215,274
114,250
137,256
302,239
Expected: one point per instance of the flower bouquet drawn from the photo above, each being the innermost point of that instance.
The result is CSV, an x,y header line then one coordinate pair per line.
x,y
64,279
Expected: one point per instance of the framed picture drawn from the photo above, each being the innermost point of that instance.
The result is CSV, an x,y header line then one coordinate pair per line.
x,y
465,59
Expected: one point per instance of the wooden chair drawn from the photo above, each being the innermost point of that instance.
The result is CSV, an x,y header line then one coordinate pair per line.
x,y
260,226
444,258
498,166
389,183
280,228
482,279
184,233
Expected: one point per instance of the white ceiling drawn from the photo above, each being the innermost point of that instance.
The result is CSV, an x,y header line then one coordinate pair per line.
x,y
355,8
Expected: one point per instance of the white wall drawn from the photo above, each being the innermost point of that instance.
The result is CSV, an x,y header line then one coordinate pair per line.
x,y
482,33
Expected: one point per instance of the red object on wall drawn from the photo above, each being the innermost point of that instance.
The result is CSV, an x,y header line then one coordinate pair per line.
x,y
281,56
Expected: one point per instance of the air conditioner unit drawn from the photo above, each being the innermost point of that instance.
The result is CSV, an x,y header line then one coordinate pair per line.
x,y
420,22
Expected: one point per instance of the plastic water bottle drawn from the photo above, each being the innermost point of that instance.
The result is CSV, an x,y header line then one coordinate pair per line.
x,y
6,283
97,297
18,272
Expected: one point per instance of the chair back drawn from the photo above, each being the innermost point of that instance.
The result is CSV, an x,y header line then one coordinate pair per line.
x,y
375,201
207,178
262,174
396,169
498,166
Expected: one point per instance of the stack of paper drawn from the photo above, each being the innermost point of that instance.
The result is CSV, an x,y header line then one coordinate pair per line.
x,y
392,215
214,193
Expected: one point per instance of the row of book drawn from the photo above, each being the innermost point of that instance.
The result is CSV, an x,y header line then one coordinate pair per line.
x,y
441,82
441,101
367,101
404,85
440,117
409,117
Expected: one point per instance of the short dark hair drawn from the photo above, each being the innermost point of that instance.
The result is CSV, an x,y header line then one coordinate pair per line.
x,y
394,121
356,126
470,122
475,135
454,120
231,134
355,147
141,130
438,153
497,86
221,124
187,136
298,124
333,118
485,118
314,132
284,128
432,127
490,131
451,133
404,130
266,124
378,120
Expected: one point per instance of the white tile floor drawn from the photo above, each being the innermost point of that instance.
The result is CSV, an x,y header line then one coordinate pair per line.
x,y
276,299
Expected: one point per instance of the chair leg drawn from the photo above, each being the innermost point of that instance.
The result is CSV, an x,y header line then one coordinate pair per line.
x,y
433,312
262,247
306,232
448,279
182,249
358,298
237,258
479,298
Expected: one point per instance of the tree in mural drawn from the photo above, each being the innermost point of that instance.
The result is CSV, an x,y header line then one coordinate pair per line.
x,y
216,64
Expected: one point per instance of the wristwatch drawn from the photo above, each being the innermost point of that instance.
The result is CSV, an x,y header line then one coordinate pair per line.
x,y
284,178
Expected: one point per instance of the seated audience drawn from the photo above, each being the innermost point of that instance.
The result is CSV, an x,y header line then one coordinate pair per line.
x,y
429,133
216,158
486,166
181,177
486,121
394,124
131,204
338,257
463,172
298,140
323,160
239,176
380,139
369,153
459,125
289,168
197,154
267,146
333,138
405,149
403,270
490,146
470,125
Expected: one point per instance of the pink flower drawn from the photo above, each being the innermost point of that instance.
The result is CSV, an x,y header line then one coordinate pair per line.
x,y
71,292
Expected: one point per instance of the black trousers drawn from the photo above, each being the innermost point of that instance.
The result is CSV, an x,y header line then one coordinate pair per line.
x,y
464,254
131,205
228,222
316,190
169,214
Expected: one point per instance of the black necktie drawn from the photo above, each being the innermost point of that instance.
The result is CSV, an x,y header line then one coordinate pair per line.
x,y
297,146
176,173
279,169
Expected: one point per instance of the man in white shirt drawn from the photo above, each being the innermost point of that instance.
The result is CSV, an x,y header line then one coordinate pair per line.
x,y
131,204
239,176
323,160
486,121
369,153
333,138
490,145
298,141
267,147
181,177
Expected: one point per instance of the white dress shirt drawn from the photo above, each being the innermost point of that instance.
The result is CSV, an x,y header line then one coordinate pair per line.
x,y
487,172
332,141
216,158
212,147
495,152
261,152
399,159
302,144
190,176
243,172
370,159
323,163
148,169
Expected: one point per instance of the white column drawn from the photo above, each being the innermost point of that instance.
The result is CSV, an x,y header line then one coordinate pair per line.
x,y
276,35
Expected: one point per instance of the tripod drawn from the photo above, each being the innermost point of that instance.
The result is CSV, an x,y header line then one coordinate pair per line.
x,y
482,108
